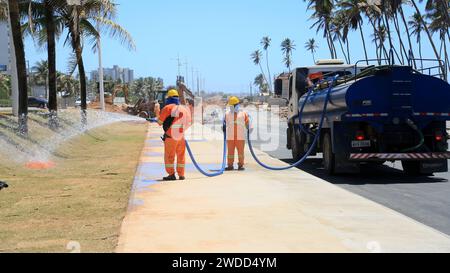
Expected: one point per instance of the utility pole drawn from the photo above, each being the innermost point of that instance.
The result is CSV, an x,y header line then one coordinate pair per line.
x,y
187,76
193,80
203,84
198,85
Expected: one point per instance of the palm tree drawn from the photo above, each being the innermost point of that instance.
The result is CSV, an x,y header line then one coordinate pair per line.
x,y
311,46
439,24
405,24
67,84
80,21
5,86
287,47
40,74
266,42
14,16
442,6
323,16
146,88
427,31
45,27
339,29
352,11
260,82
416,27
379,38
256,57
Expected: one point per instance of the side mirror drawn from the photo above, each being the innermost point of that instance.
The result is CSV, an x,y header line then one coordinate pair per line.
x,y
279,87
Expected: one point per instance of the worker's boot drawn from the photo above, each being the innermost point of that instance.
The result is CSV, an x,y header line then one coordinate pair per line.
x,y
241,168
229,168
170,178
182,178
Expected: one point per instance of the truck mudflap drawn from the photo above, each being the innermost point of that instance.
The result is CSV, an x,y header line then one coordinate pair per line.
x,y
399,156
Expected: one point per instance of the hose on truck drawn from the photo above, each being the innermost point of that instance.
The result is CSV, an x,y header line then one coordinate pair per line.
x,y
316,138
413,126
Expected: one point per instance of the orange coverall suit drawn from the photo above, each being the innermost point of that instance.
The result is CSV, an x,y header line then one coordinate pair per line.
x,y
236,124
175,144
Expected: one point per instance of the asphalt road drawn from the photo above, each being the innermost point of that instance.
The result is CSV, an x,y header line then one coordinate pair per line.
x,y
424,199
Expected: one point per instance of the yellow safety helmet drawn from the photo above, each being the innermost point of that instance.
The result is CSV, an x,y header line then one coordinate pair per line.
x,y
233,101
172,93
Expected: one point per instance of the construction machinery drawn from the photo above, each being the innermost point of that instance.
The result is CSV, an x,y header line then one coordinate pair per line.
x,y
373,114
146,108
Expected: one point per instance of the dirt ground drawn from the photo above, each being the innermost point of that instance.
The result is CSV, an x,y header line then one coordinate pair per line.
x,y
80,202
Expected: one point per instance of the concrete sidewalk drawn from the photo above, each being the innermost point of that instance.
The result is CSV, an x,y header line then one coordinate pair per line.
x,y
258,211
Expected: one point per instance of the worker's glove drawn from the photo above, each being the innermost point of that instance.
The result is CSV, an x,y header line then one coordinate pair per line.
x,y
152,120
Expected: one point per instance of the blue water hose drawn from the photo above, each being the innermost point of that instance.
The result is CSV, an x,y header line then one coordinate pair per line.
x,y
300,113
197,166
311,148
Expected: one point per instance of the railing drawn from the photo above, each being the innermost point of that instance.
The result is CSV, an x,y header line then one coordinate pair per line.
x,y
438,71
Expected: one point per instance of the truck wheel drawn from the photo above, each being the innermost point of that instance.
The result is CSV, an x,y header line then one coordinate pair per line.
x,y
295,146
329,158
413,168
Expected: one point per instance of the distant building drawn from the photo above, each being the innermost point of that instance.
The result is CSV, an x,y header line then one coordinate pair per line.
x,y
4,47
116,73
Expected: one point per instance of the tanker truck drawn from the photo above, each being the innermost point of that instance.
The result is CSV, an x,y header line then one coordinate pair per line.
x,y
375,114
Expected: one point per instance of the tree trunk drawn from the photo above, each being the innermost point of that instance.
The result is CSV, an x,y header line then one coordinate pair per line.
x,y
364,42
268,71
329,41
402,14
376,41
348,51
262,72
20,64
445,54
427,31
402,46
51,53
343,51
76,44
420,53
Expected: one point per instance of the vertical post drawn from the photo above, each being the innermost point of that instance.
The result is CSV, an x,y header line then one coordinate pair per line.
x,y
193,81
100,71
198,85
186,80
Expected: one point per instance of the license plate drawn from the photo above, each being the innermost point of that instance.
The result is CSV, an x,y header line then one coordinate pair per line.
x,y
361,144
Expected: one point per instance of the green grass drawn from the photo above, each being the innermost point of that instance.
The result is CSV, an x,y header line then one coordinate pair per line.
x,y
5,103
83,199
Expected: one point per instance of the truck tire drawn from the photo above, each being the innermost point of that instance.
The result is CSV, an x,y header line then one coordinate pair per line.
x,y
329,158
295,146
412,168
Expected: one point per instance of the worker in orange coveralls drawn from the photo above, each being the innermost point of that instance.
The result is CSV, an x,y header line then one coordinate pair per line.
x,y
175,119
236,125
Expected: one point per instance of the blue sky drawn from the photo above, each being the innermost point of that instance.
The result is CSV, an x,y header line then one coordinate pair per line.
x,y
216,38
